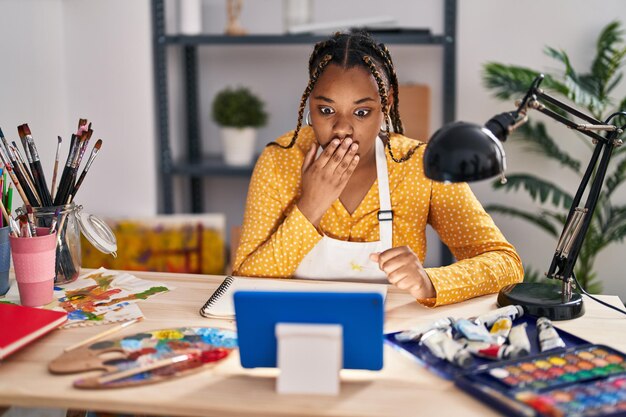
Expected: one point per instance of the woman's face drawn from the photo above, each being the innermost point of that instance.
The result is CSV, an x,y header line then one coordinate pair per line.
x,y
345,104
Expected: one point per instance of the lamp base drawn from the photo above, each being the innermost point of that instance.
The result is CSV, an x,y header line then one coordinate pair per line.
x,y
542,300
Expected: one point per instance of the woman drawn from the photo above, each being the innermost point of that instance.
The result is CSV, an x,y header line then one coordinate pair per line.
x,y
344,198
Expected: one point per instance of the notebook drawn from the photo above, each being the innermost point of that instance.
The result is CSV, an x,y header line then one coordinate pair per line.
x,y
21,325
220,304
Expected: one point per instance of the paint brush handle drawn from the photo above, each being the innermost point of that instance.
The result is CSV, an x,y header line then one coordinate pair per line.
x,y
65,187
105,333
115,376
40,182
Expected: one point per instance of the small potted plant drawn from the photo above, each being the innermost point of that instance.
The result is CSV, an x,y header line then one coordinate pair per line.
x,y
239,113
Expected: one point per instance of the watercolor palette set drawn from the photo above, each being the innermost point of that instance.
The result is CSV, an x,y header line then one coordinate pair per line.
x,y
580,379
587,380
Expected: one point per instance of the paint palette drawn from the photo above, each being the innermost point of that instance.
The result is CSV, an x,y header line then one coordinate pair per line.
x,y
587,380
560,368
205,347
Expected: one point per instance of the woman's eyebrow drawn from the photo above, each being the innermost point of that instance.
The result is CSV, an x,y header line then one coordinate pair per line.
x,y
324,98
363,100
328,100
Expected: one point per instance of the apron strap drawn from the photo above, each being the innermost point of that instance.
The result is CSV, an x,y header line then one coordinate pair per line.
x,y
385,215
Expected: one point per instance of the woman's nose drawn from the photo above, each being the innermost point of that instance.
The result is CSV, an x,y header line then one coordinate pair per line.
x,y
342,128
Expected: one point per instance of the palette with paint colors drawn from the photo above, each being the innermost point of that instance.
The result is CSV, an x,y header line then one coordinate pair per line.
x,y
203,346
587,380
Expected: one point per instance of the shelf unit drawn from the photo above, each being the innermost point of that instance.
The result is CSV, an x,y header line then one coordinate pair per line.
x,y
194,166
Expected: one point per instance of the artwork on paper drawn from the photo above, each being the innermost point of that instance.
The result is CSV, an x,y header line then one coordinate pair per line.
x,y
99,297
173,243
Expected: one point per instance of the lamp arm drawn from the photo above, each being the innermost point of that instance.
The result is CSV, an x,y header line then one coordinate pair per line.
x,y
563,261
584,129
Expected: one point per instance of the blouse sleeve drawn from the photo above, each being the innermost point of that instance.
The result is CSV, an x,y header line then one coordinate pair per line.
x,y
486,261
275,236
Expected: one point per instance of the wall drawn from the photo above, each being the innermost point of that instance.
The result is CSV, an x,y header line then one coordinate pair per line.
x,y
67,59
92,58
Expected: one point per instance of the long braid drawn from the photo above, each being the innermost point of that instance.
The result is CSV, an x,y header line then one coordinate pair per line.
x,y
385,58
383,99
305,96
397,122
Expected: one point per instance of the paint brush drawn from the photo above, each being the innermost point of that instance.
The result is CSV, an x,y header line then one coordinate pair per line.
x,y
36,168
105,333
20,166
94,152
16,175
56,168
115,376
66,185
13,175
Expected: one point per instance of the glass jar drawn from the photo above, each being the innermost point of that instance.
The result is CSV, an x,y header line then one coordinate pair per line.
x,y
70,223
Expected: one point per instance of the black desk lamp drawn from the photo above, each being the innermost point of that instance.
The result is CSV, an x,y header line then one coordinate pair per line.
x,y
463,152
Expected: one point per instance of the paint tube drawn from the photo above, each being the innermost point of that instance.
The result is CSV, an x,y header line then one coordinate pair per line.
x,y
512,311
441,345
501,329
492,351
471,331
519,338
416,333
548,337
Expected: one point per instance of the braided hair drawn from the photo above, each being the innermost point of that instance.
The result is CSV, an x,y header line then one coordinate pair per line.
x,y
350,50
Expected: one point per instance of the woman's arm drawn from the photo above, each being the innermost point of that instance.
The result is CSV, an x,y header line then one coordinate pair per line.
x,y
487,262
275,235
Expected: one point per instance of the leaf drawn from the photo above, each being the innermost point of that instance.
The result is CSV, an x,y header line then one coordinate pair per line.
x,y
608,59
580,89
537,188
537,220
537,138
616,178
511,81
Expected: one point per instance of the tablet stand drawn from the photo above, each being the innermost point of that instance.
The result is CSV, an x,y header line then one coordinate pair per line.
x,y
309,357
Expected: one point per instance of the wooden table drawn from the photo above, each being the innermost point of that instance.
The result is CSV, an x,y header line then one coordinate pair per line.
x,y
402,388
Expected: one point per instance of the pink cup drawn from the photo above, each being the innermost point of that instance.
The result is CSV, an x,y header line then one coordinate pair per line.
x,y
34,260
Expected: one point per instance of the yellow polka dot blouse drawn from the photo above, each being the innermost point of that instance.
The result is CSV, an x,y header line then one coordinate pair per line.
x,y
276,236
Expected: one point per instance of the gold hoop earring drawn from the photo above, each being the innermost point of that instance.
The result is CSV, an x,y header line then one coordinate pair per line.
x,y
307,119
383,125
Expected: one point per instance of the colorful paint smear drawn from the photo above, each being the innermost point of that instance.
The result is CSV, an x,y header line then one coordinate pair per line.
x,y
205,345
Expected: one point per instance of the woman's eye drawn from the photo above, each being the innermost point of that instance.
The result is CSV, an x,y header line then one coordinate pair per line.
x,y
361,112
326,110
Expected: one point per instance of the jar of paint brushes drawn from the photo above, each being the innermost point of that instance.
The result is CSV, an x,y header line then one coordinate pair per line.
x,y
69,224
68,254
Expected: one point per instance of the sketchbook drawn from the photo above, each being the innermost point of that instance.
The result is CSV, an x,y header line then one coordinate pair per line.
x,y
220,304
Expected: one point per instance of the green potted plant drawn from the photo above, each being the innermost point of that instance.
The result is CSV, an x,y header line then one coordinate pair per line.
x,y
239,113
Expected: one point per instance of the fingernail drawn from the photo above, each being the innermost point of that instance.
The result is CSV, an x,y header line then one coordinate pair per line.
x,y
354,147
335,142
347,141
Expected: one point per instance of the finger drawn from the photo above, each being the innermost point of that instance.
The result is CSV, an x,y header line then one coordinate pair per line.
x,y
347,159
374,256
343,156
309,157
328,152
338,156
393,252
351,167
397,262
397,276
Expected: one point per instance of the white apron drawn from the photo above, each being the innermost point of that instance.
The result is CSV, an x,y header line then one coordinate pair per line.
x,y
349,261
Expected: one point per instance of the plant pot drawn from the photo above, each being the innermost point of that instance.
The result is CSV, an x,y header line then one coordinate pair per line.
x,y
238,145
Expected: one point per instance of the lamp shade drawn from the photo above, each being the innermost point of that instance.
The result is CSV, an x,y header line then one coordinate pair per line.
x,y
463,152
